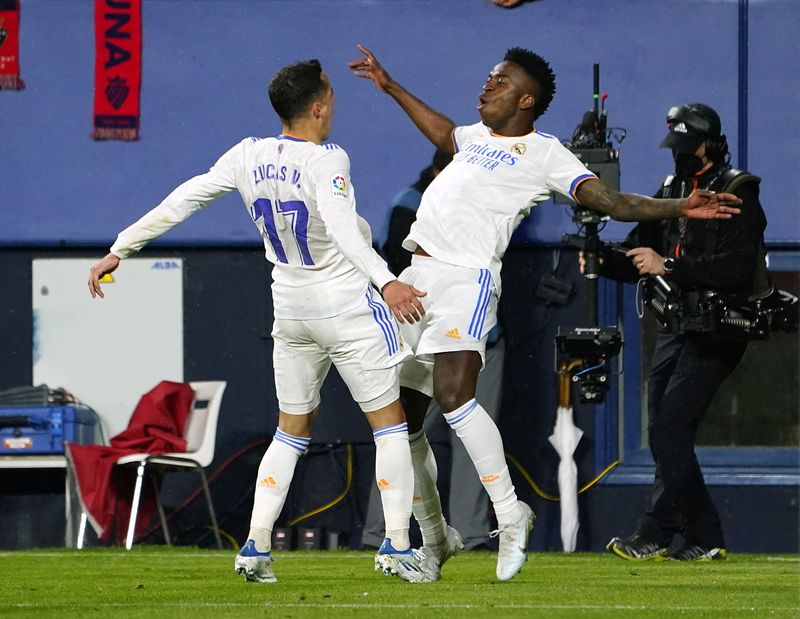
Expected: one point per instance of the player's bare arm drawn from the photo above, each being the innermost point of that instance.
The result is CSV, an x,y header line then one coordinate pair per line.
x,y
107,265
437,127
403,299
701,204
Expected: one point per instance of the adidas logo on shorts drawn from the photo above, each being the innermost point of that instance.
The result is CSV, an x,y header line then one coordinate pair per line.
x,y
453,333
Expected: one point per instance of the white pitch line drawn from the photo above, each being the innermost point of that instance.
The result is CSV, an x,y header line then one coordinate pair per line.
x,y
412,606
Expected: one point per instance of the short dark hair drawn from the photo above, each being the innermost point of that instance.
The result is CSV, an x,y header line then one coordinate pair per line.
x,y
539,70
294,87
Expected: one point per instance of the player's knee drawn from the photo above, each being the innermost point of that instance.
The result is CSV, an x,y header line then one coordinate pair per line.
x,y
451,394
387,415
296,424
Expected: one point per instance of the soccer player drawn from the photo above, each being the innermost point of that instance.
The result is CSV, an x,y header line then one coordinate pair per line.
x,y
327,307
502,168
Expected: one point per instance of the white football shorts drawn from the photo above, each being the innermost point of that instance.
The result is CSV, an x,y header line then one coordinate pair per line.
x,y
363,343
461,309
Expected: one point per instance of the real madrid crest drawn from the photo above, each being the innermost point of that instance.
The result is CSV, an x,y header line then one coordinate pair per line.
x,y
519,149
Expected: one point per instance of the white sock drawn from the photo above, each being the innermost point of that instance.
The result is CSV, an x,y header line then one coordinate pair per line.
x,y
427,506
262,538
395,480
484,445
274,476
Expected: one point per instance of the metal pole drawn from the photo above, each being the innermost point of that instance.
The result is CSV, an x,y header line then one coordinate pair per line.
x,y
591,272
743,78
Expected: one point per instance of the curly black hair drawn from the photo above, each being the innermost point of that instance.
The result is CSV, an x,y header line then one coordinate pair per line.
x,y
540,71
294,87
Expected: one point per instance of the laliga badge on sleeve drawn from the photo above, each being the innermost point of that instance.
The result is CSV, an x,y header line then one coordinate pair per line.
x,y
339,187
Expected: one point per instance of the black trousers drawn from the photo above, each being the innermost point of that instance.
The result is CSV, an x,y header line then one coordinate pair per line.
x,y
686,372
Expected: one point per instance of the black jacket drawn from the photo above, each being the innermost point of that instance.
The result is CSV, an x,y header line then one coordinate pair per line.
x,y
717,254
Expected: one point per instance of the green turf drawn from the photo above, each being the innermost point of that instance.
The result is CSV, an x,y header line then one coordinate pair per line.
x,y
187,582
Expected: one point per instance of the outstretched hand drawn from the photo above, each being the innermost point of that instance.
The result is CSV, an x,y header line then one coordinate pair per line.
x,y
403,299
704,204
369,68
107,265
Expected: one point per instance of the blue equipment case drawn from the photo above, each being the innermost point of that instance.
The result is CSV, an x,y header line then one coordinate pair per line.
x,y
28,430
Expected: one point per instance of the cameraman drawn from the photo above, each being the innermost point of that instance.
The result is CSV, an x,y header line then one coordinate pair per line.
x,y
689,363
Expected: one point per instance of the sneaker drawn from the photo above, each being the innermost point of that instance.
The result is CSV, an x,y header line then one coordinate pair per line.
x,y
255,566
699,553
634,548
410,565
513,550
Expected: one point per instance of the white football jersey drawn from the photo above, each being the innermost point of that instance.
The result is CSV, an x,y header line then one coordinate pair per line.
x,y
300,197
470,210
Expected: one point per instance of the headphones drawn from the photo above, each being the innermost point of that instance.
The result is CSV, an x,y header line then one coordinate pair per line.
x,y
717,149
706,122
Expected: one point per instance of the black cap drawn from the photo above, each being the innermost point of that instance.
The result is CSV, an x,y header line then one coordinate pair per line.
x,y
689,126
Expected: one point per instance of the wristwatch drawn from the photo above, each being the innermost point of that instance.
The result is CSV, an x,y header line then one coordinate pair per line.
x,y
669,265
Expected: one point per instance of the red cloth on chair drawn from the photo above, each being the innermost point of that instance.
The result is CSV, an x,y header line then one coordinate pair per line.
x,y
106,491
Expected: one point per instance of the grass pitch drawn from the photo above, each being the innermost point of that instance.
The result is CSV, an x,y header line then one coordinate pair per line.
x,y
171,582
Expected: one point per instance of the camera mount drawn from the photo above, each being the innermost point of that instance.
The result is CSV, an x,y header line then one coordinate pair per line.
x,y
583,354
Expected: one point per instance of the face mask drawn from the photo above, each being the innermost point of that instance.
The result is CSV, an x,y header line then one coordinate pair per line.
x,y
686,165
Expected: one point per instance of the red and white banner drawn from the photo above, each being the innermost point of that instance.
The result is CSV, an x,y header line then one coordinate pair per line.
x,y
9,46
117,69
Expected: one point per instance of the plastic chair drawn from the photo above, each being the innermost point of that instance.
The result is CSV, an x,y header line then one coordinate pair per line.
x,y
200,434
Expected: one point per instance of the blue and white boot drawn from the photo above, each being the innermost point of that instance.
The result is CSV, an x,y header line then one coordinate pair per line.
x,y
410,565
255,566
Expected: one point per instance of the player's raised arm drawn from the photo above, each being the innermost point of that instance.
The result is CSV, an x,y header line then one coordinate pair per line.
x,y
701,204
437,127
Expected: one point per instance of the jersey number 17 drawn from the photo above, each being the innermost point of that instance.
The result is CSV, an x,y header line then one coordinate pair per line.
x,y
297,213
